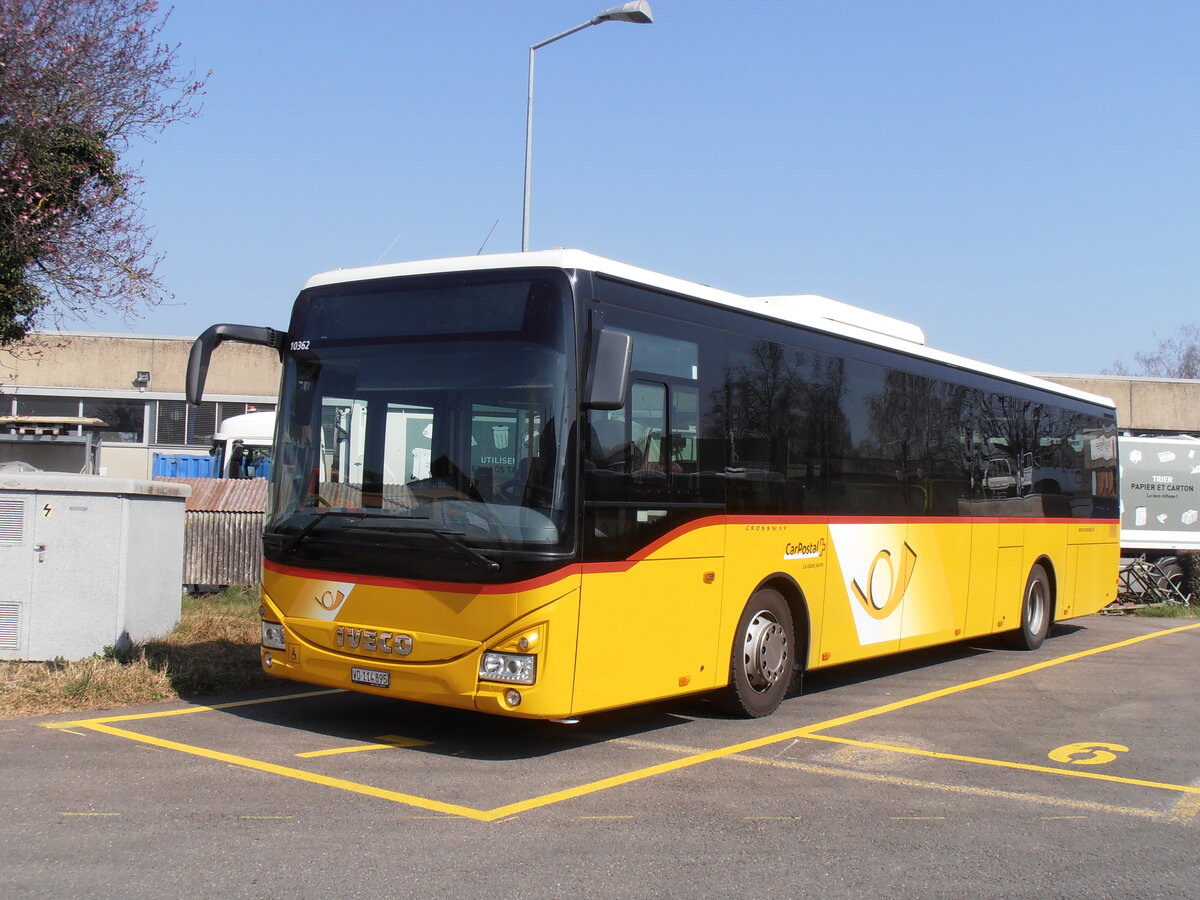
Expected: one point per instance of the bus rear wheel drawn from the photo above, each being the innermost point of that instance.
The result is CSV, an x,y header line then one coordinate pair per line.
x,y
762,659
1035,612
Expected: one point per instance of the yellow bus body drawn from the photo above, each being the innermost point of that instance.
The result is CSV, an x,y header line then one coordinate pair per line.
x,y
662,624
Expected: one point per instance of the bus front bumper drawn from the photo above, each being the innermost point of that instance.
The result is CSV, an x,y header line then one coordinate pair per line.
x,y
548,636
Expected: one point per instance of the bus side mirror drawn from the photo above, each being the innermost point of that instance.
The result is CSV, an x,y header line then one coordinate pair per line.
x,y
608,370
203,346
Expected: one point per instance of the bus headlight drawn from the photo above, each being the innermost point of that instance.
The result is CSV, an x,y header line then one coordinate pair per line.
x,y
272,636
510,668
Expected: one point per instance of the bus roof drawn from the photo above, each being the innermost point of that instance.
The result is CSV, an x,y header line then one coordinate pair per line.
x,y
810,310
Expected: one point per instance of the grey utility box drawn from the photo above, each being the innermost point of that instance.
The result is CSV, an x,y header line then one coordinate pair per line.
x,y
88,562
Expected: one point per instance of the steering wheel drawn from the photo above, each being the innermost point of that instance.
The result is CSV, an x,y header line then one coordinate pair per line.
x,y
467,516
511,492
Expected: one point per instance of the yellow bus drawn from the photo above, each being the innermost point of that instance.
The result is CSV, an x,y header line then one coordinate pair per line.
x,y
548,484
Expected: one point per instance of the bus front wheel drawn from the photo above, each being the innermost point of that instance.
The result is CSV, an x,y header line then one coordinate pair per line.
x,y
1035,612
761,662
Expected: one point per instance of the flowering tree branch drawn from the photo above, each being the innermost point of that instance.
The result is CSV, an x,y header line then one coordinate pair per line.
x,y
80,81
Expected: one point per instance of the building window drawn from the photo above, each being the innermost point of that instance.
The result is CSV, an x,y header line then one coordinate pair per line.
x,y
182,424
28,405
179,423
124,420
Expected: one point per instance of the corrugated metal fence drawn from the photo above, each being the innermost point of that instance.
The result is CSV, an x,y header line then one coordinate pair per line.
x,y
224,525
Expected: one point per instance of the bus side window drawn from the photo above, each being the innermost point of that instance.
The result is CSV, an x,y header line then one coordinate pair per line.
x,y
631,440
648,420
627,472
685,405
608,448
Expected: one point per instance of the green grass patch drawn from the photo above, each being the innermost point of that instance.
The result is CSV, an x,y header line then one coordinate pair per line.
x,y
213,650
1168,611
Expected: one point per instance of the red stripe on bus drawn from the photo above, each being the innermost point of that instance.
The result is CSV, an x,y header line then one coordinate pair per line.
x,y
450,587
675,533
641,555
908,520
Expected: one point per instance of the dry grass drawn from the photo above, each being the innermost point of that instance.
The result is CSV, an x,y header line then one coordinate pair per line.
x,y
36,689
213,650
1167,611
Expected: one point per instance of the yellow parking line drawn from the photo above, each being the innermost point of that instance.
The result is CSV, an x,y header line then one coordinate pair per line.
x,y
902,781
1005,764
1188,805
387,742
809,731
640,774
299,774
187,710
994,679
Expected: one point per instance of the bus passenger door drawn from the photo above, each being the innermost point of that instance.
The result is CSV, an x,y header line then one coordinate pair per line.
x,y
650,597
981,595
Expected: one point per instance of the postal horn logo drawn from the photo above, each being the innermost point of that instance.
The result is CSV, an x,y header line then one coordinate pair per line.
x,y
886,585
330,600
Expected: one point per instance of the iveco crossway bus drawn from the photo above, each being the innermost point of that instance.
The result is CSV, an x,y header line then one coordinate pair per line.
x,y
547,484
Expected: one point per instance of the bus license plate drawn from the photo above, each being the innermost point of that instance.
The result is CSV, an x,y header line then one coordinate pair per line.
x,y
372,677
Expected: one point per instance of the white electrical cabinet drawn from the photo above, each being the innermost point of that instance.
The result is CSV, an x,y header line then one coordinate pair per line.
x,y
89,562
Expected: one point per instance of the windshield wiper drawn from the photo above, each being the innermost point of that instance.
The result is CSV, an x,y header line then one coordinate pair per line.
x,y
288,544
449,537
469,553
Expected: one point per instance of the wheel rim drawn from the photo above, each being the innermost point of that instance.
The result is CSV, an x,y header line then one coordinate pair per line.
x,y
765,651
1036,604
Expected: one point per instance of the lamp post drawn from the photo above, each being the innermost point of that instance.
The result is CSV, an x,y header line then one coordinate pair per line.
x,y
637,12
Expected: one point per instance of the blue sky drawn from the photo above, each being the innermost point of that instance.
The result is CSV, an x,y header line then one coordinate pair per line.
x,y
1022,179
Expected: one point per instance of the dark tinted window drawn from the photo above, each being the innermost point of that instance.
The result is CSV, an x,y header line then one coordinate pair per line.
x,y
796,423
124,420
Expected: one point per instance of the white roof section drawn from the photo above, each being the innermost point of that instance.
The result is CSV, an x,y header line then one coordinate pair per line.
x,y
794,307
810,310
71,483
255,427
1161,439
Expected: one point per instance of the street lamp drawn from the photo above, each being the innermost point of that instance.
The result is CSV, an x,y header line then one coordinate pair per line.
x,y
637,12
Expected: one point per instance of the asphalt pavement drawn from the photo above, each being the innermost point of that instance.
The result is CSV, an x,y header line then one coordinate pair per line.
x,y
1073,771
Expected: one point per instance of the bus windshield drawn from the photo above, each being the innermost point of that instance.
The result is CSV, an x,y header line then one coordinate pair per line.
x,y
425,425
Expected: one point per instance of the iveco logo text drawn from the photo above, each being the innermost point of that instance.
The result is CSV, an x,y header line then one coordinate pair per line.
x,y
801,550
374,641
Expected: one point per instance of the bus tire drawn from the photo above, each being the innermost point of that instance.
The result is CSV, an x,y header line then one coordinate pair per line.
x,y
762,659
1036,606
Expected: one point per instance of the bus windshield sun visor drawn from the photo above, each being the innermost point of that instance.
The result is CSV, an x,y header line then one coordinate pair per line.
x,y
203,346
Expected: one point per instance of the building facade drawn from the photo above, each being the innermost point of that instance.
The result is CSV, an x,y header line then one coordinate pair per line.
x,y
1145,406
129,392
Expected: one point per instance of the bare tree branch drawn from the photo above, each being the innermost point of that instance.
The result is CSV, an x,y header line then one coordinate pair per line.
x,y
1174,357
